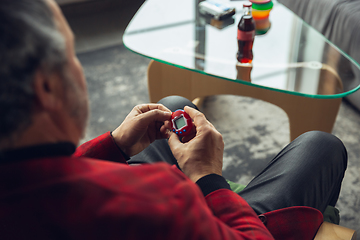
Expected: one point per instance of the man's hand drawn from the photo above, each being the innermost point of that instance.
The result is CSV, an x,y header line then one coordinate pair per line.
x,y
144,124
202,154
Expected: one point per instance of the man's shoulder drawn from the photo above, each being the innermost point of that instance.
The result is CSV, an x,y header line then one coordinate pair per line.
x,y
73,168
78,192
159,174
70,172
69,177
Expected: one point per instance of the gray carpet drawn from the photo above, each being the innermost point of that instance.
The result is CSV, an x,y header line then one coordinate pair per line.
x,y
253,131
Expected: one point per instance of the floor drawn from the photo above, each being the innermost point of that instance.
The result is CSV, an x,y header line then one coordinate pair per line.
x,y
117,82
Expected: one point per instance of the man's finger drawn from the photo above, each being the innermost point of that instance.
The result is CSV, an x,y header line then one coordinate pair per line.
x,y
198,117
152,106
155,116
174,141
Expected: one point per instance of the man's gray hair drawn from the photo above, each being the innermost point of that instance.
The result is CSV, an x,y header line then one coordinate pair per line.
x,y
29,41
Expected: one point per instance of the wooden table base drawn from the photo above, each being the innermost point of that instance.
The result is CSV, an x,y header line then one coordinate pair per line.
x,y
304,113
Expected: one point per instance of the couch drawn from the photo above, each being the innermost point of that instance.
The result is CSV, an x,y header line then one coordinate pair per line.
x,y
338,21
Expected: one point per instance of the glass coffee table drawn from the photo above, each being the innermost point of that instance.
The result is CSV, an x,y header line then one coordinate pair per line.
x,y
294,66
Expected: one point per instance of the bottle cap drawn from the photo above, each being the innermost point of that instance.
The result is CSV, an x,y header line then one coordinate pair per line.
x,y
263,6
247,4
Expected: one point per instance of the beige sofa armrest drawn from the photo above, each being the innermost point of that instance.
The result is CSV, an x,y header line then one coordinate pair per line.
x,y
329,231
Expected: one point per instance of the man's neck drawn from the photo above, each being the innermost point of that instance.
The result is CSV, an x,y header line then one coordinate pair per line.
x,y
44,129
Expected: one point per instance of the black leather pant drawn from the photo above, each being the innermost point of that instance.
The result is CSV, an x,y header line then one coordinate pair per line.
x,y
307,172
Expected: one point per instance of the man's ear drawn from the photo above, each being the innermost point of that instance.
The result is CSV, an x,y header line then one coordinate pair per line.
x,y
48,90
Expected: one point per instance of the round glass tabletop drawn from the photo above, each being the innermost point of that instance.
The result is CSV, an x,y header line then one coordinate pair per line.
x,y
290,56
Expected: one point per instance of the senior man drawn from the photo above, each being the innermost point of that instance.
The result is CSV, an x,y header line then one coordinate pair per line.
x,y
51,190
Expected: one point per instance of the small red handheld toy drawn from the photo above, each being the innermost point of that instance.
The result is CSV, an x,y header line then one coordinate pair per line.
x,y
181,123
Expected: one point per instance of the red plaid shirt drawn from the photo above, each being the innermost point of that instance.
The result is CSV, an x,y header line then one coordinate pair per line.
x,y
83,197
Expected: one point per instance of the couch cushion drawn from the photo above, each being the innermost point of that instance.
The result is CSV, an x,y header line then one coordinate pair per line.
x,y
338,21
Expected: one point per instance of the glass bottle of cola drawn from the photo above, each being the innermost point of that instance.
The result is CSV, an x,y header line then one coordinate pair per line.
x,y
246,35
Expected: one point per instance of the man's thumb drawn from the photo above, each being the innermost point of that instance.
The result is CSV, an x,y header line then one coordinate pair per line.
x,y
174,141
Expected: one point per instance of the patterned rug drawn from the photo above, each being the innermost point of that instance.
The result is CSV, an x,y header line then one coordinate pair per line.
x,y
254,131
